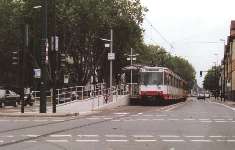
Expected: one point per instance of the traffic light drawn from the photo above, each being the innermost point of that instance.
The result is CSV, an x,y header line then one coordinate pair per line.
x,y
15,57
200,73
62,60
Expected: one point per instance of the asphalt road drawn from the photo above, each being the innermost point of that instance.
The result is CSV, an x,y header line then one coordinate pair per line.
x,y
194,125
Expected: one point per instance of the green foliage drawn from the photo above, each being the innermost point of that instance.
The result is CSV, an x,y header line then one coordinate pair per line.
x,y
211,80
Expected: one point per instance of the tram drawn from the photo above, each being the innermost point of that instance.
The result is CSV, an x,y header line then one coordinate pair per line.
x,y
161,85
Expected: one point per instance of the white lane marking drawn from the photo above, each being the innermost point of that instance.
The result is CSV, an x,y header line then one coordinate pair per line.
x,y
221,121
145,140
160,115
169,136
93,118
116,120
194,136
40,120
58,120
204,119
57,141
4,120
140,113
189,119
158,119
171,108
143,136
225,140
31,141
134,115
224,105
1,141
218,119
88,135
147,115
7,136
201,140
173,119
164,140
129,120
121,113
143,119
59,135
217,136
87,140
108,118
20,120
117,140
116,135
31,135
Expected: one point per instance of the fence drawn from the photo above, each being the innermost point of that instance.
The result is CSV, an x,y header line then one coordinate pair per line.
x,y
80,93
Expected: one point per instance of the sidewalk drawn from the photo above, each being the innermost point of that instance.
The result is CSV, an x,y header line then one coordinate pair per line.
x,y
227,102
73,108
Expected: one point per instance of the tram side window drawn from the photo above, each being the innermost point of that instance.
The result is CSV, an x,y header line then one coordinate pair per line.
x,y
166,79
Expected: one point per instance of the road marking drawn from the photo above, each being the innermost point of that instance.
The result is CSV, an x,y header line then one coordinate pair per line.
x,y
121,113
189,119
20,120
58,120
206,121
57,141
116,140
147,115
87,140
143,119
194,136
159,119
7,136
116,120
108,118
221,121
201,140
89,135
31,135
173,119
143,136
40,120
160,115
224,105
57,135
225,140
115,135
93,118
4,120
169,136
173,140
31,141
171,108
1,141
218,119
217,136
145,140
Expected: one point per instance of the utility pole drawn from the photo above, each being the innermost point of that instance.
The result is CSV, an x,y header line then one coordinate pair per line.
x,y
111,64
44,44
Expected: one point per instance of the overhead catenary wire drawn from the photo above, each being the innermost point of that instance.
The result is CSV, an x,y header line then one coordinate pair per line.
x,y
159,33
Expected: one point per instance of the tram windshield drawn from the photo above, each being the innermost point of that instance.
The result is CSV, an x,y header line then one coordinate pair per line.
x,y
151,78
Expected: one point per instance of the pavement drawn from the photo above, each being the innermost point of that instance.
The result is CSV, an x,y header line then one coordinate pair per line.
x,y
193,125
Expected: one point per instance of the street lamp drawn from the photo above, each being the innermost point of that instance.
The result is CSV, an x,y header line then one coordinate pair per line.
x,y
132,57
111,58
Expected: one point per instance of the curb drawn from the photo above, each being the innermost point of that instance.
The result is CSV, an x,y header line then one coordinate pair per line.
x,y
38,114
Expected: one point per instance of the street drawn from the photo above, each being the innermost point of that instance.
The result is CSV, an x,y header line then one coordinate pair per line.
x,y
191,125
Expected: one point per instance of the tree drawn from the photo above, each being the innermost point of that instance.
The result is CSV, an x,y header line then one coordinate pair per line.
x,y
211,80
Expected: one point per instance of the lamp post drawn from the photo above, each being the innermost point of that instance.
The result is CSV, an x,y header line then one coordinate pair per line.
x,y
44,58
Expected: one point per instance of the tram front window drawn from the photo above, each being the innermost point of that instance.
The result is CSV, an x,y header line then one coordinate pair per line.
x,y
151,78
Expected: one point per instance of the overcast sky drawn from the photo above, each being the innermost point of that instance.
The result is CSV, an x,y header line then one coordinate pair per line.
x,y
193,27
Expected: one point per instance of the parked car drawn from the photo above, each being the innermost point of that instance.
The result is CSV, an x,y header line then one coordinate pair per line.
x,y
8,98
201,96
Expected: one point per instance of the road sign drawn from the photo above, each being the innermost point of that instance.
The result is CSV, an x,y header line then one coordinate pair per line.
x,y
37,73
111,56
